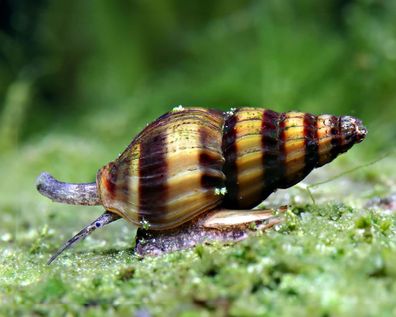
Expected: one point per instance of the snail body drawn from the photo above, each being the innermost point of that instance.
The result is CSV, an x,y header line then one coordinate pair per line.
x,y
194,161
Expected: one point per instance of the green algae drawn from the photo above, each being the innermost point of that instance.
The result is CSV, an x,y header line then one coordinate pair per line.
x,y
333,258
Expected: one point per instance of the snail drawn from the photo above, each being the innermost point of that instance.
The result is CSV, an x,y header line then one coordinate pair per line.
x,y
194,174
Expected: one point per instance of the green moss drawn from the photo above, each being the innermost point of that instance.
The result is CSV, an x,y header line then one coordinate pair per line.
x,y
321,264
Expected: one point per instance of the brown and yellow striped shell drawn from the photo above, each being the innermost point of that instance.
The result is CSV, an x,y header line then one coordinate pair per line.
x,y
190,161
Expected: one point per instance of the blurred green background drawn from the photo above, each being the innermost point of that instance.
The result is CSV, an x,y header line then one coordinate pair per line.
x,y
78,79
103,70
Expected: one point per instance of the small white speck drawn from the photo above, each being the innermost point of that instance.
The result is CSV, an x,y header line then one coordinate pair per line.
x,y
178,108
230,112
145,224
220,191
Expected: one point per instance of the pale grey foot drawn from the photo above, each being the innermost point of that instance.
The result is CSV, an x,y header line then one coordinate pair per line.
x,y
222,226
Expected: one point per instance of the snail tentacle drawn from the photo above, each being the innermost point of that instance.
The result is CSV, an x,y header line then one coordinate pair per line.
x,y
103,220
68,193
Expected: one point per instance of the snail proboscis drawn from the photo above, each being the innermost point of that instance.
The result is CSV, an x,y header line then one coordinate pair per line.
x,y
194,174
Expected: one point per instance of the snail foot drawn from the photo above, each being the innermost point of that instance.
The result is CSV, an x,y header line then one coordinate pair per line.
x,y
226,226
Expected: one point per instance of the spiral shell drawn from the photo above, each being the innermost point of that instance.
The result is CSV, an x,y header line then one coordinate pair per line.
x,y
174,169
265,150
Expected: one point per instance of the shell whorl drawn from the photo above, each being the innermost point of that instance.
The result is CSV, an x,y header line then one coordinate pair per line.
x,y
266,150
173,170
170,172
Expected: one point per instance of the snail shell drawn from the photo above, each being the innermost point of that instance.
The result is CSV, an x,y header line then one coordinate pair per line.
x,y
181,164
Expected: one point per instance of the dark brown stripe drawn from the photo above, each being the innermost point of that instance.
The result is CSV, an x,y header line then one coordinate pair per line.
x,y
270,143
209,162
283,182
311,143
336,138
230,167
153,172
211,181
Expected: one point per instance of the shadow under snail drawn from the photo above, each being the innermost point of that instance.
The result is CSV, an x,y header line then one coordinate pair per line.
x,y
194,174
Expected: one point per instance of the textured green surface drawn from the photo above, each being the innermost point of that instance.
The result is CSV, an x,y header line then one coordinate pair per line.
x,y
77,83
334,258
